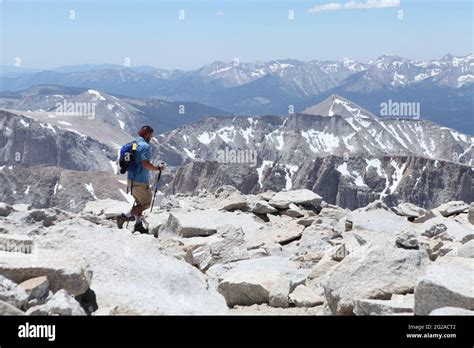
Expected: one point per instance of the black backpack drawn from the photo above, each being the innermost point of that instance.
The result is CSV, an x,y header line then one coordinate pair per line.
x,y
127,155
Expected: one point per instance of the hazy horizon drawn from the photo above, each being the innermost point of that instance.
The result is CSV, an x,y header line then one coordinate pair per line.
x,y
213,61
50,34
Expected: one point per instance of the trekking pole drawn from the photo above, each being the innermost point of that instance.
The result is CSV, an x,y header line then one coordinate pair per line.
x,y
156,189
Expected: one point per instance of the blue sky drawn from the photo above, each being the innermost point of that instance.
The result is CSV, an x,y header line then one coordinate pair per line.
x,y
150,32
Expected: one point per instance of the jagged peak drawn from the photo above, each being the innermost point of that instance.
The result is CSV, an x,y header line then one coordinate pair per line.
x,y
338,105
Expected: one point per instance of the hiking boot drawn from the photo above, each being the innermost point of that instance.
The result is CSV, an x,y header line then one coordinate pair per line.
x,y
140,228
121,219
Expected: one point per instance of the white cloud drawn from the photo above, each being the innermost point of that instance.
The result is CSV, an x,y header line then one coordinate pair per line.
x,y
333,6
220,13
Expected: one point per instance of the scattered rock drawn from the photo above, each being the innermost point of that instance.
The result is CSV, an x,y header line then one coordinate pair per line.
x,y
5,209
267,195
374,272
425,217
396,305
191,224
470,214
435,230
303,197
8,309
306,222
262,207
361,240
36,288
231,246
449,230
225,191
339,252
48,216
293,211
108,208
348,224
452,208
466,250
375,205
235,201
21,207
303,296
279,292
447,283
409,210
201,257
12,293
63,270
251,281
60,304
247,289
407,240
324,266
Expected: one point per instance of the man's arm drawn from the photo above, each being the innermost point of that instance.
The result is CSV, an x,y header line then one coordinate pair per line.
x,y
147,165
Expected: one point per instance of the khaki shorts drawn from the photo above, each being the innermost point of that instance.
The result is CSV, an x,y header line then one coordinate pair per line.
x,y
142,193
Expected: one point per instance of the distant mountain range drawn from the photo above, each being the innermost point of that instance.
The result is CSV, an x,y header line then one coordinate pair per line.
x,y
126,113
336,126
336,148
442,87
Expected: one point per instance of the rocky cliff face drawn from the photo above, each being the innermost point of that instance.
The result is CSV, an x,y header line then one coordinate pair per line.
x,y
343,153
24,140
350,184
47,186
303,137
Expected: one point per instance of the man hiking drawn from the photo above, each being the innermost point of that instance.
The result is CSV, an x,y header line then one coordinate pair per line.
x,y
138,176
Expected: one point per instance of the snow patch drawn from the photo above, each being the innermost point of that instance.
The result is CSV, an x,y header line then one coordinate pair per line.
x,y
320,141
206,138
356,177
48,126
227,134
114,166
96,94
189,153
375,163
260,170
90,188
290,170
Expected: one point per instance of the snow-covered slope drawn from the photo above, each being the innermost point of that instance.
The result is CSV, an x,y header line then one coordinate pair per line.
x,y
349,131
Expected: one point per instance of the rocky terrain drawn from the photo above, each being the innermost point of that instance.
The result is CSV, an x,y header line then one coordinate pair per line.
x,y
337,149
225,252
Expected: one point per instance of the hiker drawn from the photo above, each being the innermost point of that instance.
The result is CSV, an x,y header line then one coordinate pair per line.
x,y
138,173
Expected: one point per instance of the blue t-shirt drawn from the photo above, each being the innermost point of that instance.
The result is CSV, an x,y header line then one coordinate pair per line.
x,y
136,172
